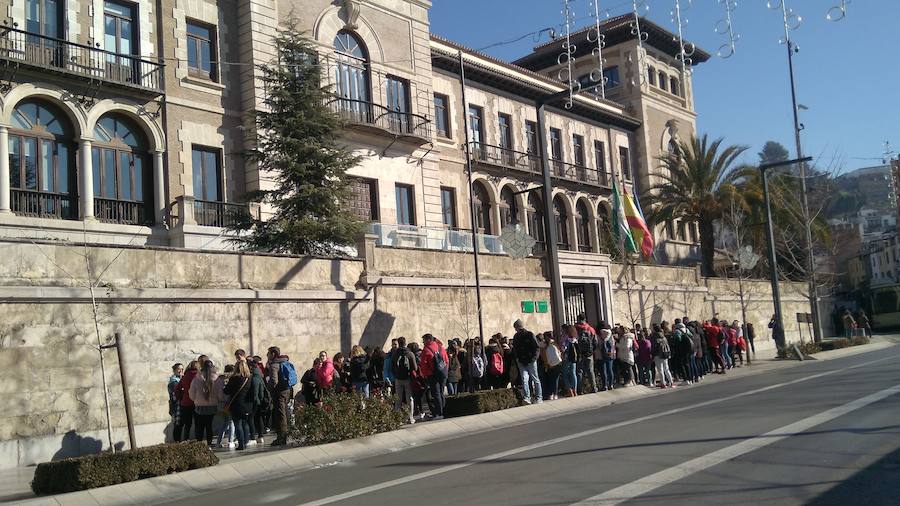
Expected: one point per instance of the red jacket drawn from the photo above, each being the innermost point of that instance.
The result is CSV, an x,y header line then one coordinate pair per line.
x,y
731,335
325,374
181,390
426,361
586,326
712,335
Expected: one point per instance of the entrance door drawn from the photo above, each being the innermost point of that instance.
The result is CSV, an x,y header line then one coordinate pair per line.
x,y
583,298
120,37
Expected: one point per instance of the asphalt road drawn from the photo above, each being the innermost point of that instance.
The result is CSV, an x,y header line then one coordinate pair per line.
x,y
820,433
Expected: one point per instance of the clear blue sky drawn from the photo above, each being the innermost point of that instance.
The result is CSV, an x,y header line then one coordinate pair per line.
x,y
847,71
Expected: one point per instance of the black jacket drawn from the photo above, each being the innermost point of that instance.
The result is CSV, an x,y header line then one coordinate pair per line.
x,y
246,395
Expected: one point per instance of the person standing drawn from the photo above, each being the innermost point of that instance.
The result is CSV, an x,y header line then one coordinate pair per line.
x,y
177,373
644,360
477,363
227,424
552,359
434,367
713,331
661,355
587,345
359,362
570,361
309,386
280,380
526,349
388,372
751,335
625,355
862,322
325,374
245,391
403,363
206,403
454,373
607,346
185,404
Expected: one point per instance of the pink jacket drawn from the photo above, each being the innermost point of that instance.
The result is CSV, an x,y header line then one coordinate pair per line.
x,y
325,374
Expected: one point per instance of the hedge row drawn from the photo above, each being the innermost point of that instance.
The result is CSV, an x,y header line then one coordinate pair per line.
x,y
483,401
345,416
92,471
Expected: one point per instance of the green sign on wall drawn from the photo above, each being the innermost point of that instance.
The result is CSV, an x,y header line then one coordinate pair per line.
x,y
542,306
527,306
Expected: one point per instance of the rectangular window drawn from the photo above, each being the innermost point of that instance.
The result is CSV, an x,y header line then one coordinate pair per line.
x,y
673,86
578,149
612,76
506,137
625,162
662,80
600,161
682,232
398,104
531,137
448,206
44,17
207,171
476,124
201,44
651,75
556,144
442,115
406,211
364,199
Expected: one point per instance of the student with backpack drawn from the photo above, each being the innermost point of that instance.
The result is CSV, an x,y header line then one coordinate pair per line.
x,y
587,345
495,364
403,363
570,361
435,367
551,359
477,365
645,360
661,355
281,376
359,363
607,347
526,349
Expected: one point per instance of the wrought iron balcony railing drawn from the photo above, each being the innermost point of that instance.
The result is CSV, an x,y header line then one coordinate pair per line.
x,y
69,58
218,214
528,162
360,112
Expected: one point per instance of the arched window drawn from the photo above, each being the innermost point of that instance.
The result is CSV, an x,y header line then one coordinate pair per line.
x,y
536,220
509,209
562,223
482,209
351,74
604,230
41,161
582,225
121,171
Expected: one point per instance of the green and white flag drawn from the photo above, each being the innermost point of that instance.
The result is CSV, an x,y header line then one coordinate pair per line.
x,y
620,228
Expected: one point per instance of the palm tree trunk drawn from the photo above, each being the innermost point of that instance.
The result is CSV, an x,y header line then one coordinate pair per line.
x,y
707,245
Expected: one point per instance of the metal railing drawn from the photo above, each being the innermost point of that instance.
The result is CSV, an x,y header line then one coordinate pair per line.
x,y
218,214
361,112
61,55
124,212
505,157
578,173
441,239
38,204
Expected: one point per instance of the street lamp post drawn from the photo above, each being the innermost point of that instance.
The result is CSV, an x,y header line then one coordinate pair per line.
x,y
778,330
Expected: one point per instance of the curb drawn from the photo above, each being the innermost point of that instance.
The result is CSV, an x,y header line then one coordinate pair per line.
x,y
253,468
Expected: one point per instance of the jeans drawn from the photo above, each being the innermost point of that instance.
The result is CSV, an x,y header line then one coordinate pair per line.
x,y
256,423
436,388
725,350
242,429
529,373
227,429
586,367
404,396
606,369
625,371
644,374
569,376
662,371
695,369
362,387
553,374
452,388
182,430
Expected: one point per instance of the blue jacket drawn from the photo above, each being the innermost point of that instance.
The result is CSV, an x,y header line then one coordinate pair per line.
x,y
387,372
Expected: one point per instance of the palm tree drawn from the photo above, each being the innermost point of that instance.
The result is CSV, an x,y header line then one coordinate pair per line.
x,y
696,187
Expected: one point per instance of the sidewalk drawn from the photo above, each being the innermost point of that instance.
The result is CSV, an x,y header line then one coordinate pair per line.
x,y
259,463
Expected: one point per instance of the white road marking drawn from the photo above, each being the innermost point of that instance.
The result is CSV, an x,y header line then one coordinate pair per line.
x,y
550,442
654,481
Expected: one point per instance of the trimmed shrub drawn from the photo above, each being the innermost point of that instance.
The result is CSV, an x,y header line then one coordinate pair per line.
x,y
345,416
807,348
92,471
834,344
483,401
859,340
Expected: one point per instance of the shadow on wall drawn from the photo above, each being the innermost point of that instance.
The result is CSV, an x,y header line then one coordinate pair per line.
x,y
377,330
75,445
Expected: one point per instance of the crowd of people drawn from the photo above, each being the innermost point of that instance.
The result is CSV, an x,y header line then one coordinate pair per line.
x,y
850,323
237,406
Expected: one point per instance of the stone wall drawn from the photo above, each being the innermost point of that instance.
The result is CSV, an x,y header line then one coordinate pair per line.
x,y
172,305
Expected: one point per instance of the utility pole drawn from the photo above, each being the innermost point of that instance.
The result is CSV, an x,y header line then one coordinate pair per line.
x,y
787,17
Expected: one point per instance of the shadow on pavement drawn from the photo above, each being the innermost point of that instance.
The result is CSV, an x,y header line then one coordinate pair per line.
x,y
876,484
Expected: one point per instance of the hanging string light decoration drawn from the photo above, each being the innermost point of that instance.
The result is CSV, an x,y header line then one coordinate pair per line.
x,y
838,12
637,7
567,57
685,49
725,27
596,37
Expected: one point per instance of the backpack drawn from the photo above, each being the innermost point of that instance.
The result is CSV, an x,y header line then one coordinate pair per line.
x,y
585,346
664,350
440,365
287,374
477,366
526,348
496,365
609,349
571,353
403,365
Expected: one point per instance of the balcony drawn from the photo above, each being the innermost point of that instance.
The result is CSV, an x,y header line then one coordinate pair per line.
x,y
371,116
496,156
124,212
218,214
439,239
71,59
35,204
